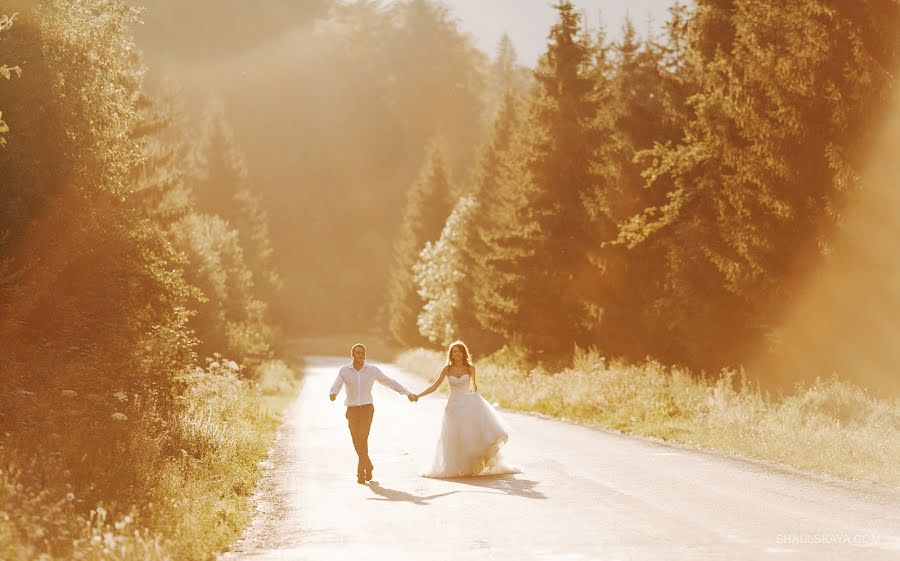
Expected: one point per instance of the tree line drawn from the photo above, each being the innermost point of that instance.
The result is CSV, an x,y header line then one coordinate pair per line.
x,y
132,246
660,196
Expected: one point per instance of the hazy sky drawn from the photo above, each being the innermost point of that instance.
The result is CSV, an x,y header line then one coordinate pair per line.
x,y
528,21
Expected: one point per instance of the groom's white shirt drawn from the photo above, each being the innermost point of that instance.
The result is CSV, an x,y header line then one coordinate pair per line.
x,y
359,384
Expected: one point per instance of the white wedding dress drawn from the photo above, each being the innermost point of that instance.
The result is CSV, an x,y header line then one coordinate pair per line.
x,y
472,434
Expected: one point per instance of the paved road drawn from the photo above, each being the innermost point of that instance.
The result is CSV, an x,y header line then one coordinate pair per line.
x,y
584,494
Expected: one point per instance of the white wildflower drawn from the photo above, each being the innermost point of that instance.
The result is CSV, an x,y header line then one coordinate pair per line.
x,y
119,416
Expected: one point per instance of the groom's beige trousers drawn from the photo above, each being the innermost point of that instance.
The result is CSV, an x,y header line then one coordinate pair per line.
x,y
359,419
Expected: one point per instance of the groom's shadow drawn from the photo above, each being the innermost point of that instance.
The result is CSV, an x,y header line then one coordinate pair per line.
x,y
387,494
507,484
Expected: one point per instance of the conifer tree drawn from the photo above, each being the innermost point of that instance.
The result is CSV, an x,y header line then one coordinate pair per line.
x,y
220,179
461,276
438,79
786,102
634,117
497,240
160,187
219,169
427,207
504,76
552,313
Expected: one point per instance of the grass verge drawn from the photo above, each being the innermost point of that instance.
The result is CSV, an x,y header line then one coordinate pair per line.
x,y
150,482
830,427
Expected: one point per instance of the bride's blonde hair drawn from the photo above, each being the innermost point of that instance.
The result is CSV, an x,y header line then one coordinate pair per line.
x,y
467,357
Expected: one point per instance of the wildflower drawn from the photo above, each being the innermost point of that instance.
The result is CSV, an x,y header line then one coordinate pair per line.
x,y
120,395
119,416
70,496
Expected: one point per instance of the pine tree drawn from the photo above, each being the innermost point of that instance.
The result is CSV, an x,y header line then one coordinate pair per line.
x,y
252,223
427,207
786,101
496,240
466,277
634,116
438,79
503,76
220,179
219,168
552,314
160,188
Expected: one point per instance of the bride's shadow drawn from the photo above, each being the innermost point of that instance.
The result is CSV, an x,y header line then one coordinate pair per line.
x,y
395,495
507,484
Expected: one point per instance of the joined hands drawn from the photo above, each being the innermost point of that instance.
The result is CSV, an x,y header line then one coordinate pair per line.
x,y
413,397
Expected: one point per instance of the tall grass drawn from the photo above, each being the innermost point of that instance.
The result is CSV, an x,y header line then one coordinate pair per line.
x,y
830,427
176,486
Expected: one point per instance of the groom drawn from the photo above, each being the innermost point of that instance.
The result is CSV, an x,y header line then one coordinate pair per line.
x,y
359,378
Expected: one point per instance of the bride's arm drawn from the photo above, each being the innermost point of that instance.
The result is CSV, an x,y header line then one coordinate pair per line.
x,y
472,385
436,383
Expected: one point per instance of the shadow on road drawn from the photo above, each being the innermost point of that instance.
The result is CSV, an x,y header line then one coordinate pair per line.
x,y
505,483
395,495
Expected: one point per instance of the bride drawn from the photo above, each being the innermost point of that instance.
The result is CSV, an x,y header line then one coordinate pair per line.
x,y
472,431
